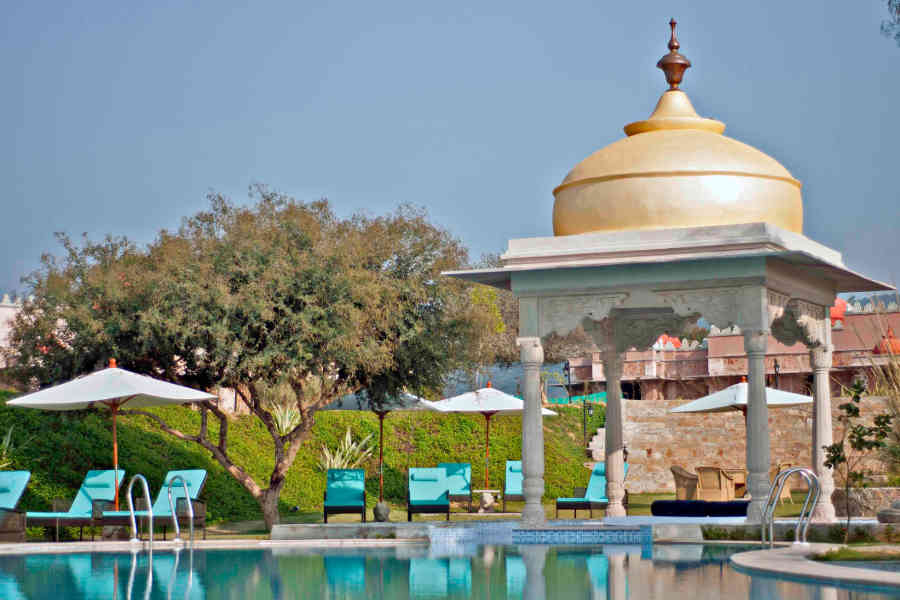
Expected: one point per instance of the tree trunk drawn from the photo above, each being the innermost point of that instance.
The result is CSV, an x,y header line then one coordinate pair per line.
x,y
268,501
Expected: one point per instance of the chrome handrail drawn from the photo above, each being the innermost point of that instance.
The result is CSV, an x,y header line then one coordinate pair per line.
x,y
190,504
813,491
134,529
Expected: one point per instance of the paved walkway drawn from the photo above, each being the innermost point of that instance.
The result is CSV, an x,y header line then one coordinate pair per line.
x,y
794,562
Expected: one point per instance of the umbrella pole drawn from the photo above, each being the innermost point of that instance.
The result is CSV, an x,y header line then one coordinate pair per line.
x,y
381,416
487,446
115,409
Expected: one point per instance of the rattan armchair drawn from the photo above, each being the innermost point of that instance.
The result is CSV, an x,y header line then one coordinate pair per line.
x,y
714,484
685,483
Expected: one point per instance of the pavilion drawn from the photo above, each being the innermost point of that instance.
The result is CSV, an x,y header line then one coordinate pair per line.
x,y
674,222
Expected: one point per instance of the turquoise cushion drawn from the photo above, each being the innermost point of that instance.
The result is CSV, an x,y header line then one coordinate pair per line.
x,y
428,486
513,483
195,479
459,478
345,487
12,486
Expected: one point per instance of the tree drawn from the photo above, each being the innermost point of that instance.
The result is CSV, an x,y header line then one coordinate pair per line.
x,y
857,440
890,27
281,300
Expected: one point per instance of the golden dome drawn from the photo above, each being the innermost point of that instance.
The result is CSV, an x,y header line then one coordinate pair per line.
x,y
676,169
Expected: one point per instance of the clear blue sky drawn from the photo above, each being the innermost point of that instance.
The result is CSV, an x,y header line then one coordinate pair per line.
x,y
117,117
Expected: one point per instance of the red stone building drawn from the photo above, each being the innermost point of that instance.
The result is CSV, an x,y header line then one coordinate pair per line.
x,y
683,369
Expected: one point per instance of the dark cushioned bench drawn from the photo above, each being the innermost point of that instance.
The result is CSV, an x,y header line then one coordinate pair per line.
x,y
699,508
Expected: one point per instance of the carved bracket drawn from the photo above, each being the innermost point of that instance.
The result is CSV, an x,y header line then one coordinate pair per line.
x,y
722,307
801,321
626,328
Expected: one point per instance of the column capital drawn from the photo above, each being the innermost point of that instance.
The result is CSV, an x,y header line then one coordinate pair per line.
x,y
531,351
756,341
821,357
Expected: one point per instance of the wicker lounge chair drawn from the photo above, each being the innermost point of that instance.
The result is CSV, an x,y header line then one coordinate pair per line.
x,y
427,492
12,520
162,513
594,495
512,484
685,483
714,484
459,482
345,493
97,486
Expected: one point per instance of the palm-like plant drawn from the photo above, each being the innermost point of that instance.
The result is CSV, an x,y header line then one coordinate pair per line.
x,y
348,455
6,449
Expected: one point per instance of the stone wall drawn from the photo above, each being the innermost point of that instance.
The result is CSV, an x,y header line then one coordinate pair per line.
x,y
657,439
864,502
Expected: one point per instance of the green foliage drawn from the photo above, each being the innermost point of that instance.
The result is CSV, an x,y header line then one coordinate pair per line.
x,y
6,449
857,440
349,454
278,298
844,554
68,444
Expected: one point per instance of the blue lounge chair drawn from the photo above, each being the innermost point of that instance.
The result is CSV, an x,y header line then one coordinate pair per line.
x,y
345,492
593,497
459,481
346,574
516,576
512,485
427,492
12,520
97,485
195,480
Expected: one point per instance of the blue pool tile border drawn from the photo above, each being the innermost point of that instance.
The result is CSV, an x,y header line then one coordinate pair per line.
x,y
636,536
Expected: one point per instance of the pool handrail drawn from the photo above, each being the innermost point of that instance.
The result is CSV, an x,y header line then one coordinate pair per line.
x,y
134,530
190,507
813,491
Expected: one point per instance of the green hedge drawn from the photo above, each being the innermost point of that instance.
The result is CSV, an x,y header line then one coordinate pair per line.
x,y
59,447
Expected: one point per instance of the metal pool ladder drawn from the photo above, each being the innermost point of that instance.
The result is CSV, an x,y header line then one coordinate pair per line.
x,y
134,529
768,521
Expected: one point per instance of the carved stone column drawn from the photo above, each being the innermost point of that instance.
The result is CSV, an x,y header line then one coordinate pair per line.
x,y
532,357
820,359
534,557
617,578
811,324
755,342
615,419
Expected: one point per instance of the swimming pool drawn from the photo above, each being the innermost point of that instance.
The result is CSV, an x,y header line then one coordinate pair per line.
x,y
674,572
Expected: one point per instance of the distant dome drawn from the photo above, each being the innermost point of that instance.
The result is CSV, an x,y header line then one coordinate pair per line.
x,y
676,169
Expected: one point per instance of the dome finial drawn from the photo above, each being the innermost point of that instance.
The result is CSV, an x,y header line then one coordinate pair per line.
x,y
673,64
673,41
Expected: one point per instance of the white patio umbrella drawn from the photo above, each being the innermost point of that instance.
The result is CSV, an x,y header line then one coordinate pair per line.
x,y
734,398
488,401
112,388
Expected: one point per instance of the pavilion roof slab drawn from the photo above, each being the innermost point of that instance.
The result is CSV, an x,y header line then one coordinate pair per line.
x,y
628,248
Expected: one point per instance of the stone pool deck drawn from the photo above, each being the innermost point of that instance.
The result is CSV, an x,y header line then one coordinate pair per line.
x,y
794,563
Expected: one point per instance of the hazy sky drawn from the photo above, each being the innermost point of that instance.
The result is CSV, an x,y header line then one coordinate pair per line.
x,y
117,117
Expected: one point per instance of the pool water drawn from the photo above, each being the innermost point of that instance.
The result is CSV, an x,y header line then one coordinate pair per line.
x,y
676,572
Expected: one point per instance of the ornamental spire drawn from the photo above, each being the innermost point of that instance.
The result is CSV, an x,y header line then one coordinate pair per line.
x,y
673,64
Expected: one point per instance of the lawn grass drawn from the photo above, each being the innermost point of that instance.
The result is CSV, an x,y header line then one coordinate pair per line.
x,y
855,554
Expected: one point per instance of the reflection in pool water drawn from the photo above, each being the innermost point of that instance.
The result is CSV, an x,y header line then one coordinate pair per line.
x,y
677,572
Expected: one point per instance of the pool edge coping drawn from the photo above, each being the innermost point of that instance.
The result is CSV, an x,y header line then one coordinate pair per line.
x,y
795,562
18,549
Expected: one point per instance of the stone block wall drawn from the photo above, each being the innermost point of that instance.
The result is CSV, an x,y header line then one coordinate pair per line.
x,y
657,439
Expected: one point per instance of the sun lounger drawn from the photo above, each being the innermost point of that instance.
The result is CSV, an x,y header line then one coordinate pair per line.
x,y
594,495
427,492
459,482
512,484
345,493
97,486
162,512
12,520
